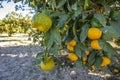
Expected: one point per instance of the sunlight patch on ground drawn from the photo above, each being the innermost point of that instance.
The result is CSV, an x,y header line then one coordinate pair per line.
x,y
19,55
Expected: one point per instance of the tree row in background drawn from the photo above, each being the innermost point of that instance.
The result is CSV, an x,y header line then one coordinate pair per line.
x,y
16,23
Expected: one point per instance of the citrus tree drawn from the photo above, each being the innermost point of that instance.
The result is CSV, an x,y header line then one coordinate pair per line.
x,y
1,27
80,28
16,23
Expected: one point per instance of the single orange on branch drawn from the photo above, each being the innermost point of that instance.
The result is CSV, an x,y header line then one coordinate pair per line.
x,y
72,43
94,33
95,45
48,65
106,61
72,56
42,22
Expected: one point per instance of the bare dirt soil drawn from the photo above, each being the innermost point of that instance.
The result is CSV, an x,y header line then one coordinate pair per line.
x,y
18,62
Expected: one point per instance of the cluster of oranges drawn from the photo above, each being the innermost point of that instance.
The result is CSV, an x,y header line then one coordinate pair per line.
x,y
71,46
95,34
43,23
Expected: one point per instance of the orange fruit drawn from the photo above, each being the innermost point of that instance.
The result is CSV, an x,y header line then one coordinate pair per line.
x,y
95,45
113,38
49,65
84,62
87,53
94,33
70,48
84,59
93,67
106,61
42,22
116,70
72,56
99,10
72,43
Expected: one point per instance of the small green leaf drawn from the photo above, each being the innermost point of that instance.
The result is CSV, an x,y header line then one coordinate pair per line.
x,y
108,54
82,47
86,4
74,6
39,55
100,18
61,3
98,62
83,34
56,14
111,31
62,20
78,64
48,40
105,69
95,23
107,47
115,15
91,58
115,26
74,30
78,51
55,35
55,50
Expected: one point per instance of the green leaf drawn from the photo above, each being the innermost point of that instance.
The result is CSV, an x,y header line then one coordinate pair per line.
x,y
108,55
86,4
77,12
111,31
62,20
95,23
98,62
107,47
61,3
107,9
55,35
55,50
115,26
78,64
82,47
105,69
100,18
48,40
74,30
78,51
56,14
74,6
83,34
39,55
91,58
115,15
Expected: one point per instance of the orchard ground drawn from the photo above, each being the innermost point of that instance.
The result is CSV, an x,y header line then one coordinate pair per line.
x,y
18,62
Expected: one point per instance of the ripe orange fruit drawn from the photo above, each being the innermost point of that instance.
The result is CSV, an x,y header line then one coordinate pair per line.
x,y
95,45
99,10
49,65
84,59
87,53
72,56
72,43
116,70
42,22
93,67
71,48
94,33
106,61
84,62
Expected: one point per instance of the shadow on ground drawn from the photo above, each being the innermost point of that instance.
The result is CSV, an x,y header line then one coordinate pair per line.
x,y
19,63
